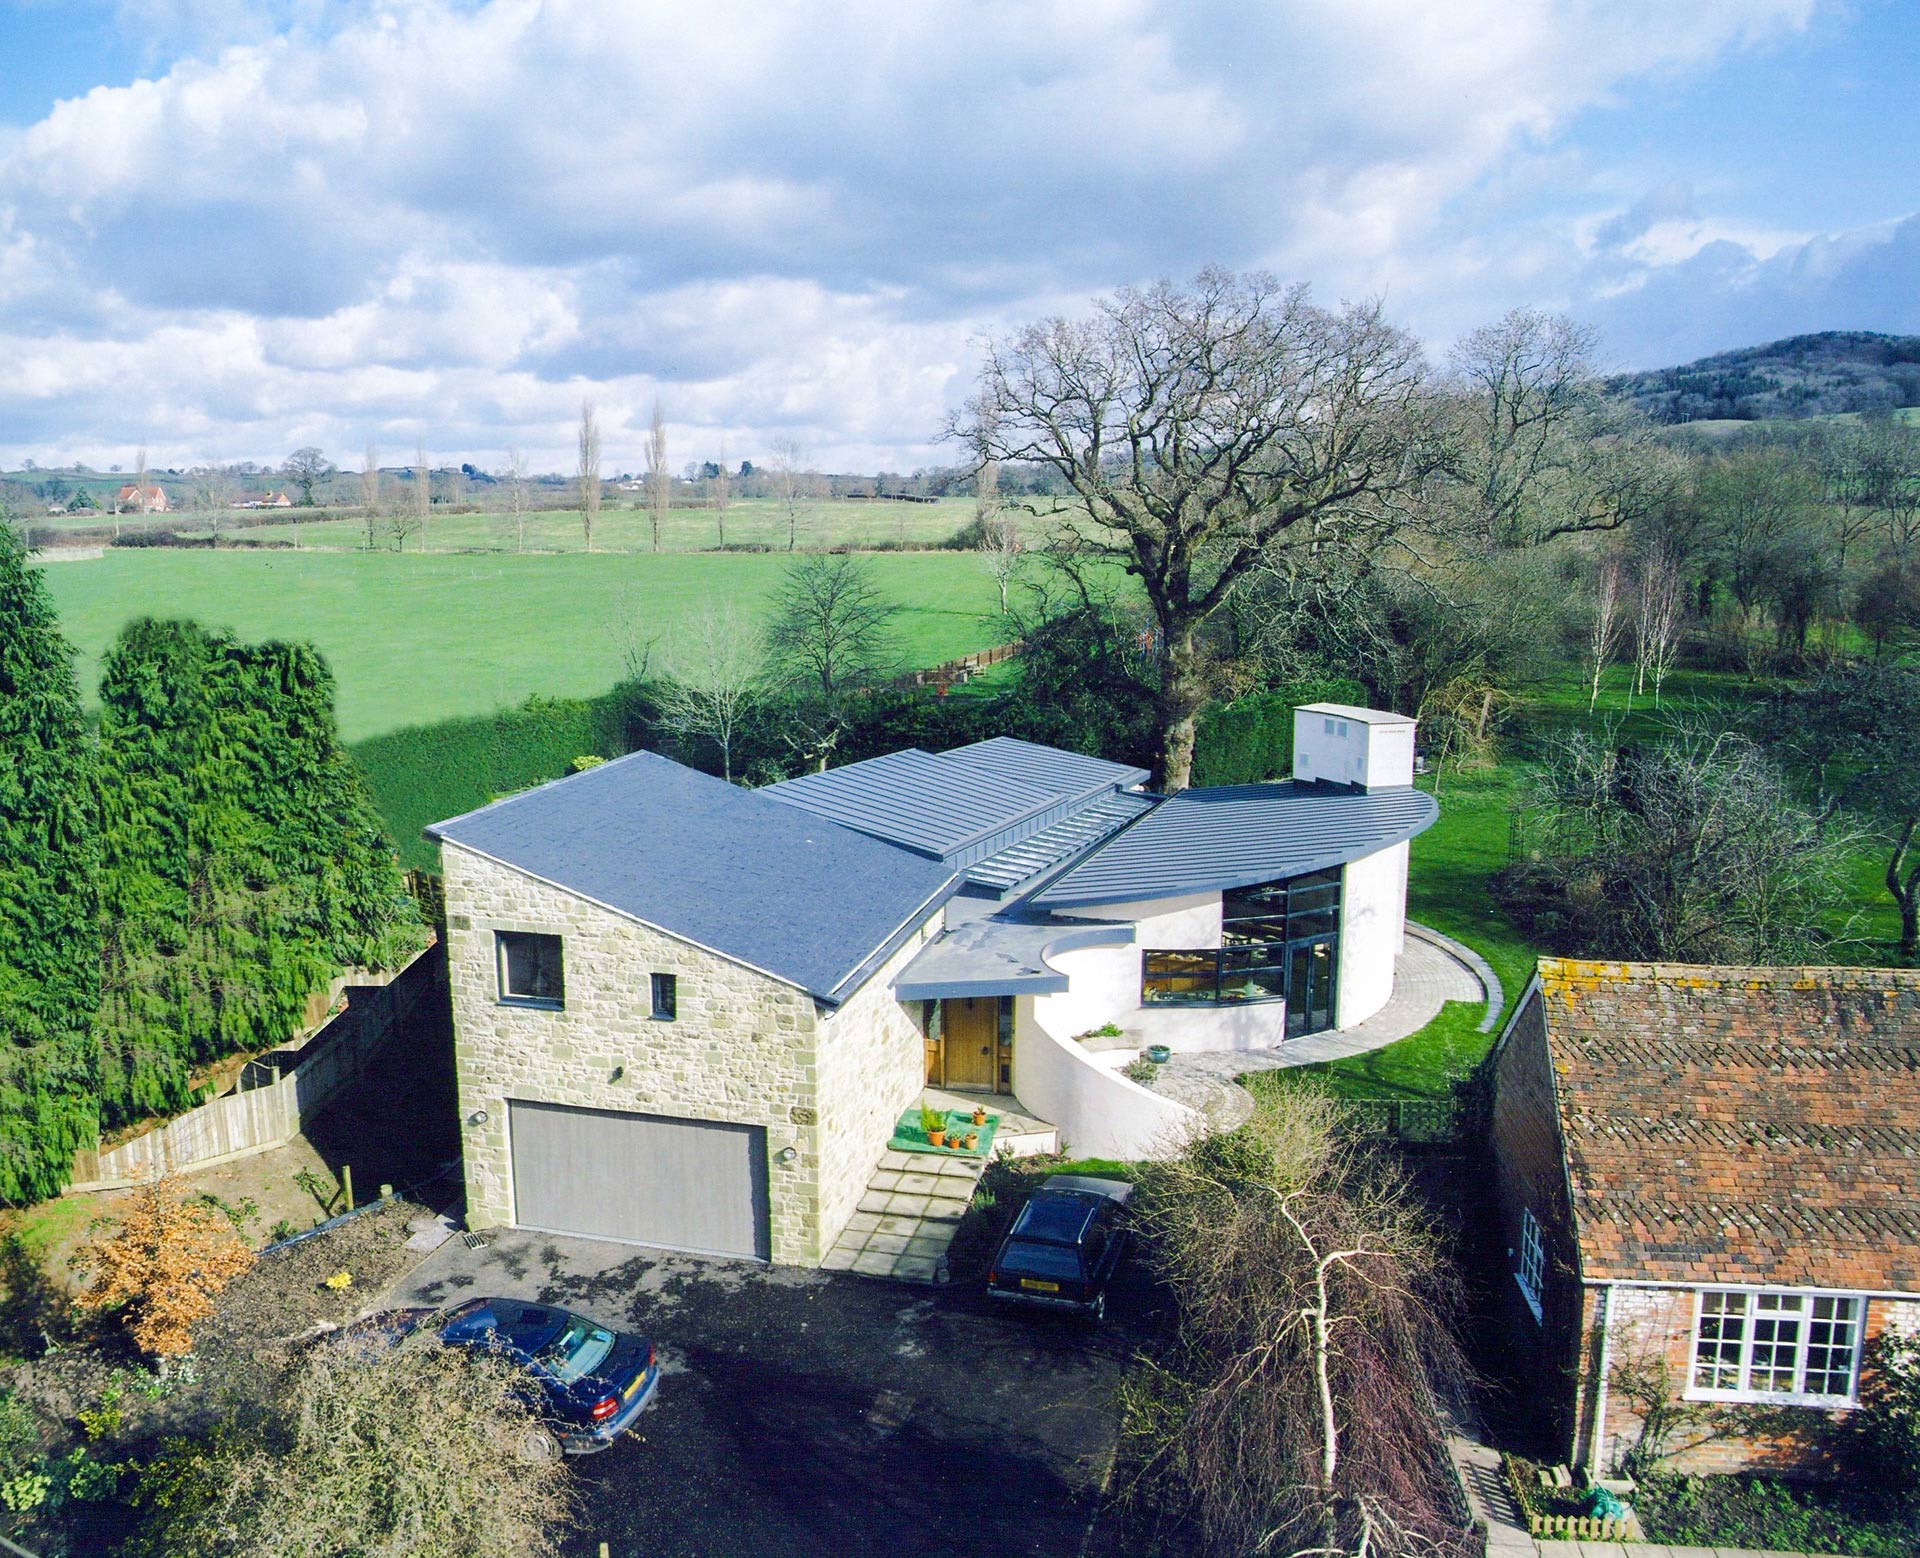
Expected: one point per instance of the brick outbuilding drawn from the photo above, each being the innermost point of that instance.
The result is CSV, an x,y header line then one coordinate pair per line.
x,y
1709,1189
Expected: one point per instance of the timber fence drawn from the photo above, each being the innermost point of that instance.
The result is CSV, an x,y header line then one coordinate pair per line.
x,y
278,1092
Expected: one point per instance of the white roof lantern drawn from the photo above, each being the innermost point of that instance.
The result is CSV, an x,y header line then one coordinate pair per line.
x,y
1337,743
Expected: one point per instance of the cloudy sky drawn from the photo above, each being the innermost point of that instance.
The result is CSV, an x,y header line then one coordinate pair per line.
x,y
229,229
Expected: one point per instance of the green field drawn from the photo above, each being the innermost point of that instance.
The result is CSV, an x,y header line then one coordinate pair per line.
x,y
413,639
748,523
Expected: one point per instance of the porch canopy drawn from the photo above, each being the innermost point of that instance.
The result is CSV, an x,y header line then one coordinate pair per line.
x,y
997,954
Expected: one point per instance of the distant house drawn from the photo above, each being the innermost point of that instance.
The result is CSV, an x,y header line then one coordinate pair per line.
x,y
1709,1189
269,500
145,499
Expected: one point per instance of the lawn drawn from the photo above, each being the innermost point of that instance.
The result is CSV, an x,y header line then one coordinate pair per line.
x,y
413,639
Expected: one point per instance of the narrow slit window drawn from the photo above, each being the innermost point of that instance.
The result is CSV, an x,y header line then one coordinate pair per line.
x,y
666,997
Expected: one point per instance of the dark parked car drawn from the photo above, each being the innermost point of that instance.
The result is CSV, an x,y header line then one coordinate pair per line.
x,y
593,1382
1064,1245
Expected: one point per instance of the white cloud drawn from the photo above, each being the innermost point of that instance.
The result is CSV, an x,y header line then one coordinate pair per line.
x,y
415,217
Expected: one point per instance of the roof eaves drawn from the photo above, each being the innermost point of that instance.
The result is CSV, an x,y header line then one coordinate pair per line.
x,y
875,960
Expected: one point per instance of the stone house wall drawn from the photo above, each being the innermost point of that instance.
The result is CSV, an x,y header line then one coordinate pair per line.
x,y
742,1047
1652,1331
871,1060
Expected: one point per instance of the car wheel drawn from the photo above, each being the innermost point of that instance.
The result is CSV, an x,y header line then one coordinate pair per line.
x,y
539,1444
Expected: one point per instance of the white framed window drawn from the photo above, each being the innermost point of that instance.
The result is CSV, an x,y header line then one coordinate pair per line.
x,y
1531,1272
1777,1346
530,973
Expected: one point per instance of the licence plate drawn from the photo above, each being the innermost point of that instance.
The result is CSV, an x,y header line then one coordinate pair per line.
x,y
638,1380
1033,1286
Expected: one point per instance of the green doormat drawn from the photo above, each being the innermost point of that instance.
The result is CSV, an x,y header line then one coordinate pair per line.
x,y
908,1137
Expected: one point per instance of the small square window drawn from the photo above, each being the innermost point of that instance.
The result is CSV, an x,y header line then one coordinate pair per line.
x,y
666,997
530,968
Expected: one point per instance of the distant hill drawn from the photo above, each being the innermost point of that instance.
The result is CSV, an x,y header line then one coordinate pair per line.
x,y
1803,376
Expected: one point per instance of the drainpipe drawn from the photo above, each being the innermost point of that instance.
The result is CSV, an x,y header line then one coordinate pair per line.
x,y
1597,1438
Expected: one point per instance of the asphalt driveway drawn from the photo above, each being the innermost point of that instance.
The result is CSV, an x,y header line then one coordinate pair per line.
x,y
816,1413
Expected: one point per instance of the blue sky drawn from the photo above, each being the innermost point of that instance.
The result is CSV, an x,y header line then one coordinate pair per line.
x,y
228,229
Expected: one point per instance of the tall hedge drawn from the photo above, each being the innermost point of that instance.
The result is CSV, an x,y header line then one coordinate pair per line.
x,y
49,857
242,860
427,773
1251,739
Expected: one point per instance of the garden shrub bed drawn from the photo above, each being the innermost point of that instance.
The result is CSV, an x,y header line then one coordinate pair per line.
x,y
1774,1515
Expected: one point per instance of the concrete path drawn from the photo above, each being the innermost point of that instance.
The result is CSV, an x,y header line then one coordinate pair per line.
x,y
1429,973
907,1218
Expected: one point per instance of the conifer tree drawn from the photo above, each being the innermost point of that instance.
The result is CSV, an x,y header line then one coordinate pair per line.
x,y
49,941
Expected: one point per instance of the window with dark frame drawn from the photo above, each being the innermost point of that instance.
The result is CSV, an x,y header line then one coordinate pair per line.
x,y
666,997
1279,941
530,968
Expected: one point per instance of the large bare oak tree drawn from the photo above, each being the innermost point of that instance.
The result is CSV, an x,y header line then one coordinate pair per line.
x,y
1195,425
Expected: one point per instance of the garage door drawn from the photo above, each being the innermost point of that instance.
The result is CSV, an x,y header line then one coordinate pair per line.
x,y
696,1185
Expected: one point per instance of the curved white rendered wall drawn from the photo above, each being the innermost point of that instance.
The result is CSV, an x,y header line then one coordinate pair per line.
x,y
1373,927
1099,1113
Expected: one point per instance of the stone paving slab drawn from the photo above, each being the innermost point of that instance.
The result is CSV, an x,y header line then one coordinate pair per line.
x,y
907,1218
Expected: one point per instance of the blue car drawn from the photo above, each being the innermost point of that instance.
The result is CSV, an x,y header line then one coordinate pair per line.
x,y
592,1382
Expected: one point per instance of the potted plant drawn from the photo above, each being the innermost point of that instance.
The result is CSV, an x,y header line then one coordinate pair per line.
x,y
979,1115
1159,1054
973,1141
934,1124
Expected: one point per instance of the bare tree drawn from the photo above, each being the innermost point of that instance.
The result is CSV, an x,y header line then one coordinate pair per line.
x,y
1893,483
422,503
214,492
589,473
370,491
1603,632
659,478
1657,617
456,487
1002,553
716,672
832,632
1295,1418
717,495
790,486
517,496
1195,425
306,469
1536,448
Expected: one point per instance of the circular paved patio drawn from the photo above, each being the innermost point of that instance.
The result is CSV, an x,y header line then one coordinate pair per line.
x,y
1431,971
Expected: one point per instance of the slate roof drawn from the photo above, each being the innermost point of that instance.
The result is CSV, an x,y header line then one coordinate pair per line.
x,y
1740,1124
1236,835
957,806
768,885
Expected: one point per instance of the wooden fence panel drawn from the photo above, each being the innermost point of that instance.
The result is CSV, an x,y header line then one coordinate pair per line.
x,y
275,1094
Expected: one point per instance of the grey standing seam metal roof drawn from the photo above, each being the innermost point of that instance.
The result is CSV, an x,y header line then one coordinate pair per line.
x,y
771,886
1051,845
960,805
1237,835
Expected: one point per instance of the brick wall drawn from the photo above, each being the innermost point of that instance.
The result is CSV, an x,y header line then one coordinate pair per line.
x,y
1652,1329
1529,1171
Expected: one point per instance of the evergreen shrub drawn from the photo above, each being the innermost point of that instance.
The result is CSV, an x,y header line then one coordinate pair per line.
x,y
1251,739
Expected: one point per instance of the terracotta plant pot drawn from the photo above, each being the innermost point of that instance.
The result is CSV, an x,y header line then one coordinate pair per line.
x,y
936,1138
979,1117
973,1140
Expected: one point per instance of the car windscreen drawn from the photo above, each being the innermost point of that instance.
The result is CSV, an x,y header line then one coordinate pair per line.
x,y
1031,1258
579,1349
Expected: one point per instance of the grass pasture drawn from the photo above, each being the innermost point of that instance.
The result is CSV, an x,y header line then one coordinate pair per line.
x,y
622,526
413,639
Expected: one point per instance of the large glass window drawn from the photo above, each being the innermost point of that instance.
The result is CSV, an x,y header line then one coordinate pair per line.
x,y
1279,941
1757,1345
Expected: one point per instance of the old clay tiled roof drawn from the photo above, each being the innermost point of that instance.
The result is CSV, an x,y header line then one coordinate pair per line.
x,y
1740,1124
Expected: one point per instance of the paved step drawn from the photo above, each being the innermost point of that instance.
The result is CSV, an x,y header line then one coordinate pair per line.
x,y
907,1218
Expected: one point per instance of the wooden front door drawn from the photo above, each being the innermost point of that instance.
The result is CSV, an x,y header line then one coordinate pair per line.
x,y
971,1032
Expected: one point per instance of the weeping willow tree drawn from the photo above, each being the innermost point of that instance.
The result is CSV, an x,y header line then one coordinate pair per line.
x,y
49,942
242,862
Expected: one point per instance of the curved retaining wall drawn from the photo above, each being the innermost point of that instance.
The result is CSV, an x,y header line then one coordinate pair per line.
x,y
1099,1113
